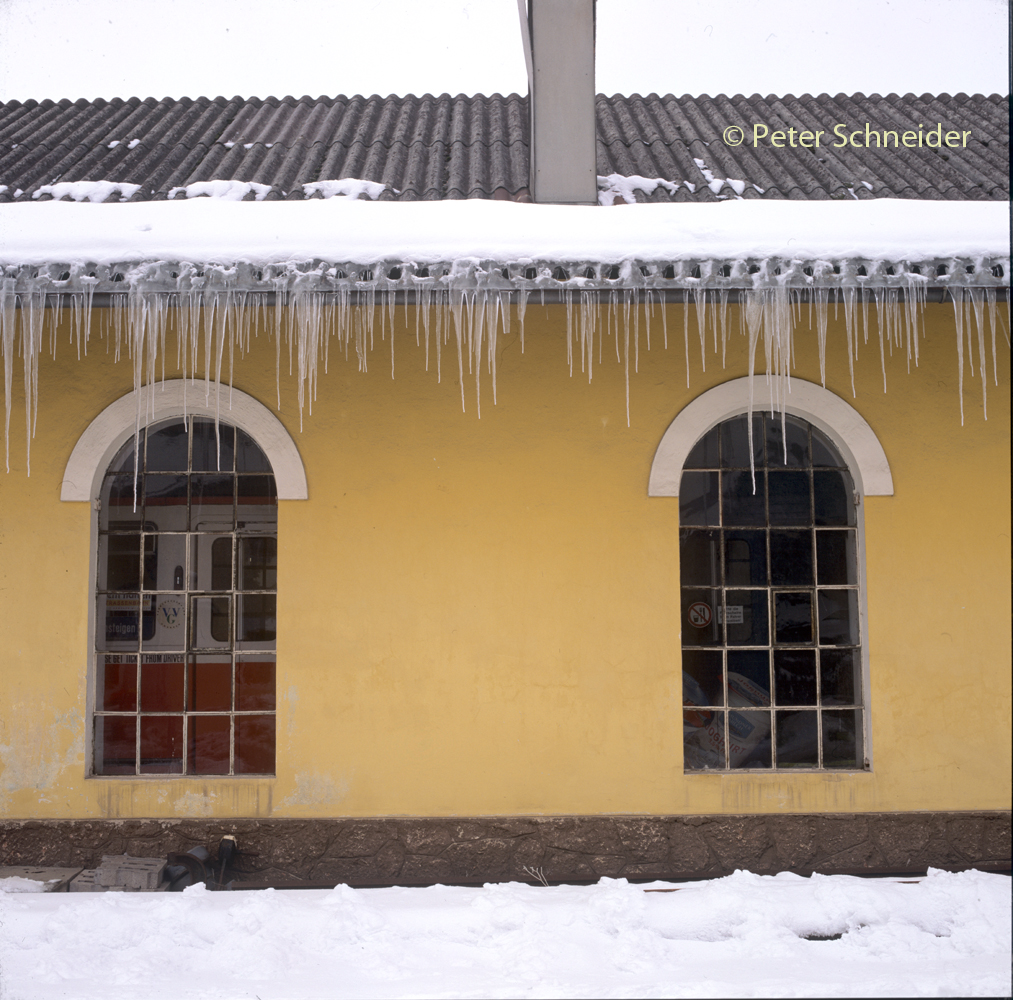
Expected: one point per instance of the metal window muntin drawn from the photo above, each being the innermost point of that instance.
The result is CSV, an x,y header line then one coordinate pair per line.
x,y
187,651
721,587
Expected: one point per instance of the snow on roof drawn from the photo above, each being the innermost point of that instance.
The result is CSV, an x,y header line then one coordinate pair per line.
x,y
207,230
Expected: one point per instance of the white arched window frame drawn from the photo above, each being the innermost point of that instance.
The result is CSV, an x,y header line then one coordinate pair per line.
x,y
842,423
117,424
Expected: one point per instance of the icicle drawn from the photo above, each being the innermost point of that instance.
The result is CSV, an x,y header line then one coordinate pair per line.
x,y
522,305
820,295
423,307
851,333
626,353
753,318
588,312
723,313
614,305
978,305
8,314
391,303
700,299
648,310
664,317
475,331
456,309
568,300
685,333
636,330
956,293
990,298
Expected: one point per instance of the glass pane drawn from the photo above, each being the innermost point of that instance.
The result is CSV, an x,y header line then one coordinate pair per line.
x,y
746,617
749,677
210,624
168,622
149,562
824,451
789,498
256,622
749,739
840,676
221,564
209,684
117,616
124,460
117,512
702,682
165,502
210,455
791,558
699,558
256,491
703,740
797,739
210,562
122,554
838,610
793,617
745,558
698,498
705,452
700,625
161,684
167,448
836,560
249,457
797,437
842,740
832,498
164,562
740,505
115,744
208,744
161,744
795,676
258,564
211,499
254,744
118,684
255,684
735,442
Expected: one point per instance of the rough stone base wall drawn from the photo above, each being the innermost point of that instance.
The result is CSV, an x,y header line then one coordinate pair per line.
x,y
407,850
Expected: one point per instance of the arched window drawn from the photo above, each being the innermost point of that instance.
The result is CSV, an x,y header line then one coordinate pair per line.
x,y
771,626
186,592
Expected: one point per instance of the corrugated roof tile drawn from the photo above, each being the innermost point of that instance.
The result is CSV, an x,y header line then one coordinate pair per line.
x,y
438,146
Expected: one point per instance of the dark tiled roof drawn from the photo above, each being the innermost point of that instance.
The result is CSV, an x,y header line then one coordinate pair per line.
x,y
431,148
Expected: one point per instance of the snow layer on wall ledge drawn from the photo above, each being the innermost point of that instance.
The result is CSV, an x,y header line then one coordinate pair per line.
x,y
210,230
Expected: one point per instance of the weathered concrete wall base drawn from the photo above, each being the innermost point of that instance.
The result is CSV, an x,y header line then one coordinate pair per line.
x,y
412,850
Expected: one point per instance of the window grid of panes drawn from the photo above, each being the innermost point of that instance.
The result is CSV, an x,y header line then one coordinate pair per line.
x,y
186,596
771,643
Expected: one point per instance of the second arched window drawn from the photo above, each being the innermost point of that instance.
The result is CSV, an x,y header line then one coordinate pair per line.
x,y
771,630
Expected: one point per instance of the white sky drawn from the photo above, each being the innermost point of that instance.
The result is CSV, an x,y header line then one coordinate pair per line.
x,y
123,48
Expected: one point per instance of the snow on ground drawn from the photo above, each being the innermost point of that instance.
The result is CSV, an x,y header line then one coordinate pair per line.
x,y
744,935
216,230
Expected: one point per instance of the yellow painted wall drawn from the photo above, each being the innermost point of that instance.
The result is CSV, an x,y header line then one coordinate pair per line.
x,y
480,616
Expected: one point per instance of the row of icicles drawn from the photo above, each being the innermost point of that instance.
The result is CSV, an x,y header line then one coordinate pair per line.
x,y
212,323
